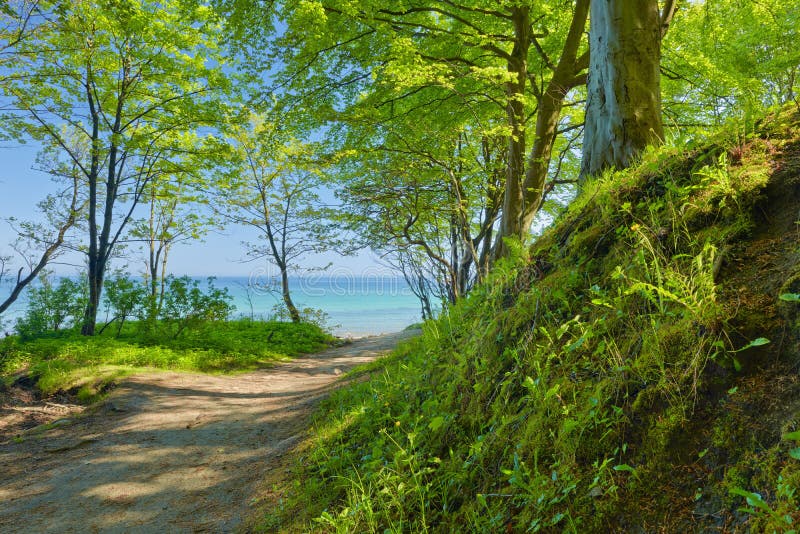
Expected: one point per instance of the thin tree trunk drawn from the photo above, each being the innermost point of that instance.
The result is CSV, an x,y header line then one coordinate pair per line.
x,y
566,76
23,281
525,181
287,297
515,111
623,109
162,279
90,314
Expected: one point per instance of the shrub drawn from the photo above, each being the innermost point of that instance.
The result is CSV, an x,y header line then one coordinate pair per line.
x,y
52,308
187,306
124,299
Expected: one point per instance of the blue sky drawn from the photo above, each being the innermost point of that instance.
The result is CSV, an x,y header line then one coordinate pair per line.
x,y
221,254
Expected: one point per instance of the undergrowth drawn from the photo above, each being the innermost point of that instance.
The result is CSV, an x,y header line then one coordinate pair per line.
x,y
66,360
592,384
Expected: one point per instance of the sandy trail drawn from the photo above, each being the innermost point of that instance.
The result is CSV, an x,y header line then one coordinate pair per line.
x,y
169,452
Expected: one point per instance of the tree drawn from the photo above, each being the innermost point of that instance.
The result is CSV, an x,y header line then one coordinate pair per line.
x,y
273,186
129,77
514,63
623,108
429,205
174,203
15,26
38,243
729,59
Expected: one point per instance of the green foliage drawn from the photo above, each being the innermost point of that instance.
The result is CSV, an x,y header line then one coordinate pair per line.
x,y
564,398
730,59
187,306
69,361
183,306
127,91
125,299
53,307
314,316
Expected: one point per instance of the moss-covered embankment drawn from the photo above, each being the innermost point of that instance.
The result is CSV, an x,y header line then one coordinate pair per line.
x,y
635,370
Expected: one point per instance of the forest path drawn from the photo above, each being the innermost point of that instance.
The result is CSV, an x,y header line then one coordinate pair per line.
x,y
170,452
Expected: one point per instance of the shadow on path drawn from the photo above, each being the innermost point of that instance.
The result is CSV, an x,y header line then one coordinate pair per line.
x,y
169,452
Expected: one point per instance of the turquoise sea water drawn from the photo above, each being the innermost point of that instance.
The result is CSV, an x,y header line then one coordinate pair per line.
x,y
356,305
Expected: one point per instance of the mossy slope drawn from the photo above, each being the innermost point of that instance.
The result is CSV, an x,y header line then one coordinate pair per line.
x,y
615,377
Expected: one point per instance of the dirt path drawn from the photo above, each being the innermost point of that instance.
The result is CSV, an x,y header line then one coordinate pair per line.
x,y
169,452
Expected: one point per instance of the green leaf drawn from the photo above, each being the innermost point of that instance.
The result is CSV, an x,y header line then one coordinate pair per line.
x,y
753,499
759,341
793,435
795,453
436,423
530,384
576,345
790,297
625,467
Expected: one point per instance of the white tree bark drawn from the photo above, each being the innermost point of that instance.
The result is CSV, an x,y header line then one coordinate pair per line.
x,y
623,109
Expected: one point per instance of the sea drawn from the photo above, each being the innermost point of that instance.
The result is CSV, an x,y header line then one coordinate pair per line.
x,y
353,306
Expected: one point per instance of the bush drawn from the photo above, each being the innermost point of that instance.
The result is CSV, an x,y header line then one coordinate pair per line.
x,y
124,299
186,306
52,308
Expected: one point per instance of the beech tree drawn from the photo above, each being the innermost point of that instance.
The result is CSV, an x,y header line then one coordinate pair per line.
x,y
729,59
130,77
18,19
273,185
509,65
174,214
429,205
39,243
623,109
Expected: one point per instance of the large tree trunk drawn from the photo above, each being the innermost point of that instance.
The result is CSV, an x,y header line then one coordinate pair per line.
x,y
623,109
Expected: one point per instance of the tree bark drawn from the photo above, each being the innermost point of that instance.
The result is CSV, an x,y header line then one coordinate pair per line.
x,y
623,109
517,65
566,76
294,314
525,180
90,314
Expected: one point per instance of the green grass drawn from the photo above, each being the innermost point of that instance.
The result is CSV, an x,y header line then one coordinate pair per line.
x,y
595,399
69,361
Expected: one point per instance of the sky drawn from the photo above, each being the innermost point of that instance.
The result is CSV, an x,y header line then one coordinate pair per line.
x,y
221,253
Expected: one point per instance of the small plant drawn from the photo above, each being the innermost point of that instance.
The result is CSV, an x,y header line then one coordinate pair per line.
x,y
777,518
716,180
